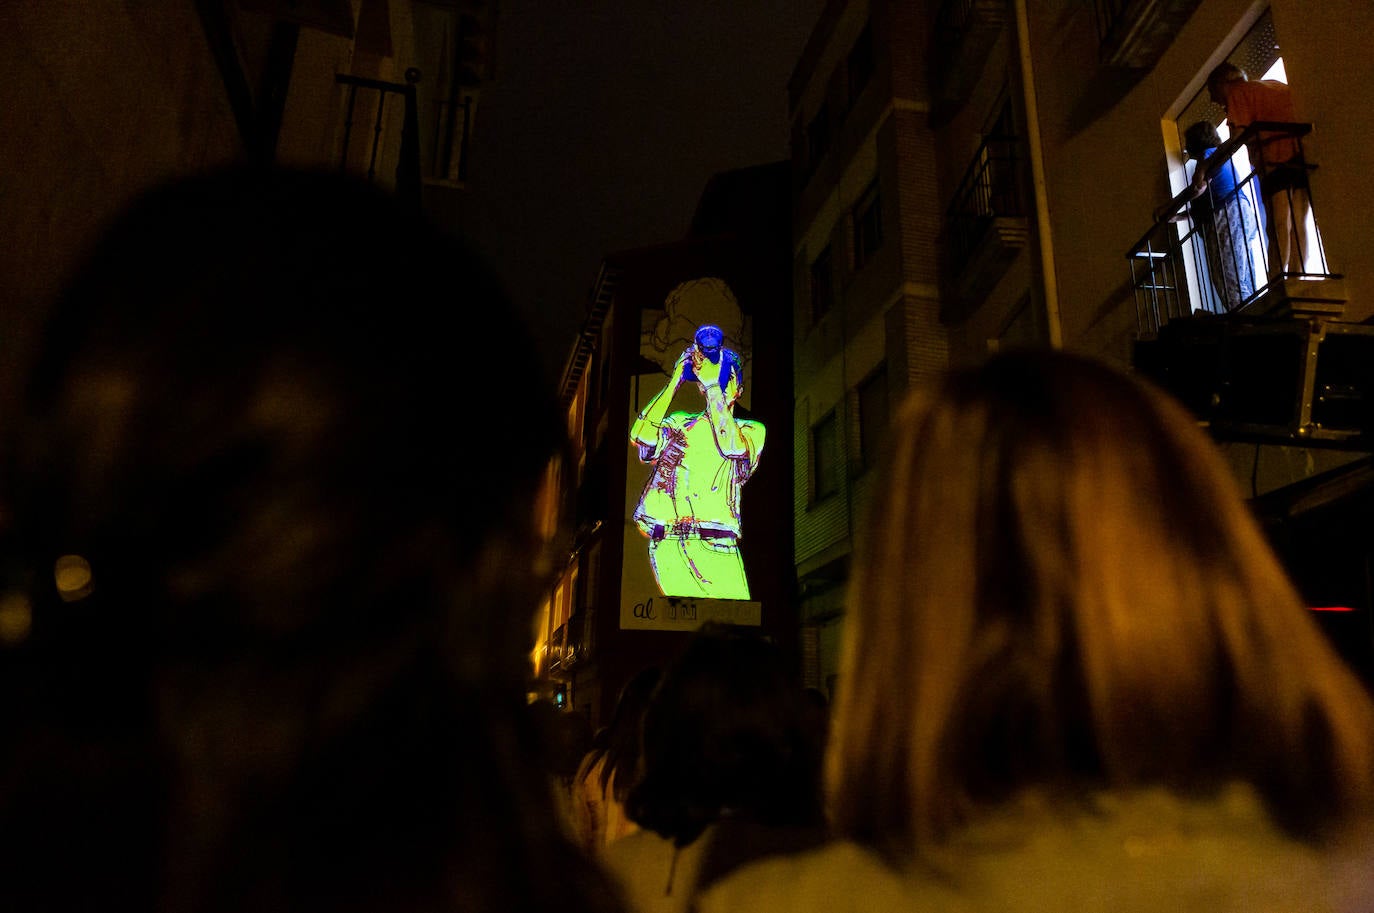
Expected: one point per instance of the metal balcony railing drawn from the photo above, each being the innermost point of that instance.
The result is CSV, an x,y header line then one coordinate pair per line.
x,y
1134,34
952,19
446,161
961,42
988,191
557,648
406,145
1239,241
1112,17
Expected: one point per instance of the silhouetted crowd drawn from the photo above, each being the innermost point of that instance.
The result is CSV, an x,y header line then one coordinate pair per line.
x,y
268,561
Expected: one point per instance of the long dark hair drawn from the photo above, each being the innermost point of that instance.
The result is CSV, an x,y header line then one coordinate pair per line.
x,y
267,560
624,733
1062,589
728,733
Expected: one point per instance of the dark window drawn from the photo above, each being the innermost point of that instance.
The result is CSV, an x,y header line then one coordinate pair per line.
x,y
868,226
873,415
825,457
860,66
817,137
822,285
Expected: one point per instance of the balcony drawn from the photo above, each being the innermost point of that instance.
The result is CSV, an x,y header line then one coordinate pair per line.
x,y
1237,251
965,31
389,137
985,226
1134,34
563,651
1237,311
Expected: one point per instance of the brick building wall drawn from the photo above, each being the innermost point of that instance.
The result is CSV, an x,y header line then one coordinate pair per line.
x,y
884,318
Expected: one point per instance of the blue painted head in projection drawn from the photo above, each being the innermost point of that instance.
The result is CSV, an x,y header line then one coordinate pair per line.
x,y
709,341
690,507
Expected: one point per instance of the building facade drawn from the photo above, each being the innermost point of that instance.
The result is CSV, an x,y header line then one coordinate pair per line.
x,y
106,99
1021,151
866,307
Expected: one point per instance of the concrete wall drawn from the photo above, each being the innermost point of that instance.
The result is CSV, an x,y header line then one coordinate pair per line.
x,y
101,100
1326,51
104,99
886,311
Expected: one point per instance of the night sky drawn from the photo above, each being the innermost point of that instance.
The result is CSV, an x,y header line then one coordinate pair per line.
x,y
603,125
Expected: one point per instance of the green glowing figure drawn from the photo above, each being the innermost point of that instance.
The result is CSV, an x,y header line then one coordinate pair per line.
x,y
690,507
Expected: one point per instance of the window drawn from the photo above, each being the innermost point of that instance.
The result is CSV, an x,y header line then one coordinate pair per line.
x,y
822,285
998,157
560,605
860,66
873,415
825,457
868,226
817,137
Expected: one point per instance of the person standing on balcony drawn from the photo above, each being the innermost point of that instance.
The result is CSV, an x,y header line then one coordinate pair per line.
x,y
1277,159
1224,215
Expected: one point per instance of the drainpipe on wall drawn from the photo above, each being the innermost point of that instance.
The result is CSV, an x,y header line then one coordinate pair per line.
x,y
1037,163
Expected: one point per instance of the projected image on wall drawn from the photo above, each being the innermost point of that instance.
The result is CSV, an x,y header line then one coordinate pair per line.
x,y
689,510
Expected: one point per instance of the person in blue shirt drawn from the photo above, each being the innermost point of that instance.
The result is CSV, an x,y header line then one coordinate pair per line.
x,y
1225,214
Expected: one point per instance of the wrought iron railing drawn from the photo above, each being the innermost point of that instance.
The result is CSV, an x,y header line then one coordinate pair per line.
x,y
447,155
1225,249
1134,34
407,144
952,20
989,190
1109,16
964,32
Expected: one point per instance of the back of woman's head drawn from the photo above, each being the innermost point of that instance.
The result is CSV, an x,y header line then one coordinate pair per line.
x,y
624,734
728,733
1062,588
289,438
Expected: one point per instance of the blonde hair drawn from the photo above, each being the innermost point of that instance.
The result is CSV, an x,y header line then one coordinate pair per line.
x,y
1062,588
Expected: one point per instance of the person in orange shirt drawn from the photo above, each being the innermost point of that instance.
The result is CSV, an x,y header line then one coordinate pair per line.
x,y
1277,158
